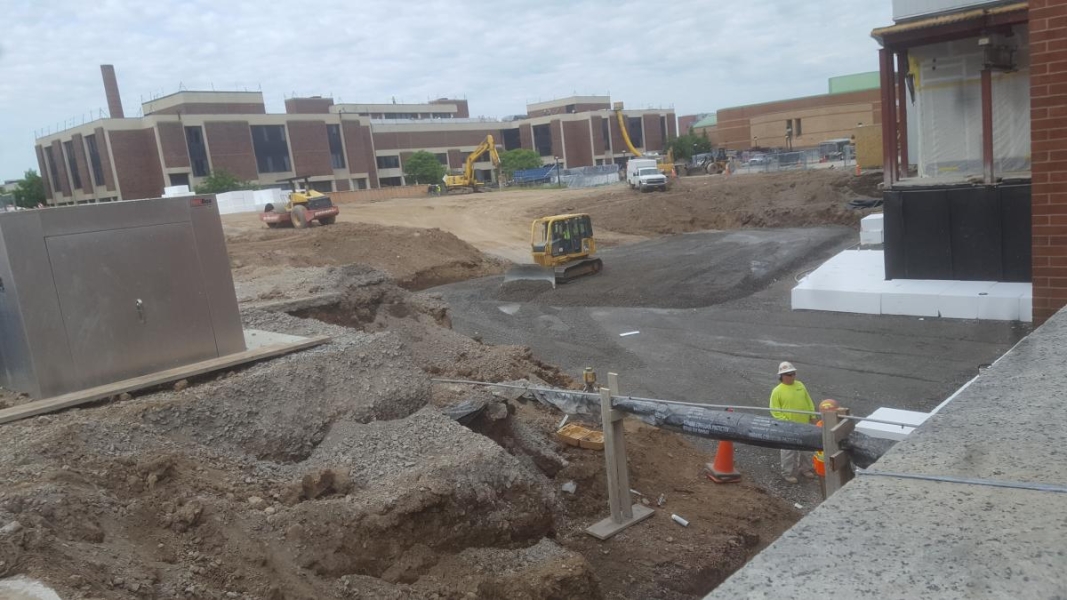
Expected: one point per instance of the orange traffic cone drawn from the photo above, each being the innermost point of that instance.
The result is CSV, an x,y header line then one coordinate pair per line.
x,y
722,470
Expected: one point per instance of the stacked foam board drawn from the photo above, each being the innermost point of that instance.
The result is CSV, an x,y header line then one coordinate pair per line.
x,y
872,232
892,432
176,190
243,201
854,282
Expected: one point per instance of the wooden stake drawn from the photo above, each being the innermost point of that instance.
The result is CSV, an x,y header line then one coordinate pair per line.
x,y
623,513
838,466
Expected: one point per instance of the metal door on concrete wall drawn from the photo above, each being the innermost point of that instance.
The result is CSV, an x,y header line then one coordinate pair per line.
x,y
117,302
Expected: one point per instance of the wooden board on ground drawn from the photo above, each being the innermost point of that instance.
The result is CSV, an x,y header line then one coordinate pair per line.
x,y
606,528
57,403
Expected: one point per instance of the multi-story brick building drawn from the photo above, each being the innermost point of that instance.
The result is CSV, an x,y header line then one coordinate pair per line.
x,y
800,122
185,136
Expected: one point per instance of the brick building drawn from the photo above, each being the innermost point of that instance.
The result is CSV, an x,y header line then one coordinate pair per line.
x,y
183,137
852,100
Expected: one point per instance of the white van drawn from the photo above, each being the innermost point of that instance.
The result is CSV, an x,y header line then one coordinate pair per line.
x,y
643,174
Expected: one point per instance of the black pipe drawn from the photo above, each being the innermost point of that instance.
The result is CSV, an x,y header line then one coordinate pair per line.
x,y
716,424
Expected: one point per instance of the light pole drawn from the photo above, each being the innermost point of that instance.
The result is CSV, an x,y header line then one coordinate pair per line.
x,y
559,181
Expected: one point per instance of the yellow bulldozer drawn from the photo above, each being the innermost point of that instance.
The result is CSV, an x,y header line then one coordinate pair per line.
x,y
563,249
466,179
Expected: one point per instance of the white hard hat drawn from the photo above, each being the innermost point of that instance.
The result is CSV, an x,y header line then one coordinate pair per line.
x,y
786,367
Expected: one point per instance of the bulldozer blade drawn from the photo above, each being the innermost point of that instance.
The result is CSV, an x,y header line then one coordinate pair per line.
x,y
530,273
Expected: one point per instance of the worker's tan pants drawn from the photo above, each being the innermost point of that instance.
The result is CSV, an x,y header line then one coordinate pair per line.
x,y
793,463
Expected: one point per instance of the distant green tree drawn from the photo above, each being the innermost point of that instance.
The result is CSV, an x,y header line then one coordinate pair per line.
x,y
689,144
424,168
518,160
220,181
30,191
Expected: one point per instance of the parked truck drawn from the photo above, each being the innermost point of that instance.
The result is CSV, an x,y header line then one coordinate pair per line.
x,y
643,174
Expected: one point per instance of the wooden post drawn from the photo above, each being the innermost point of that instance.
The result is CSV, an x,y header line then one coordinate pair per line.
x,y
902,113
987,127
623,513
889,116
838,465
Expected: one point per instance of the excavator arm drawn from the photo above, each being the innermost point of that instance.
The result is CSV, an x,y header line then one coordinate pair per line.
x,y
625,133
466,180
487,145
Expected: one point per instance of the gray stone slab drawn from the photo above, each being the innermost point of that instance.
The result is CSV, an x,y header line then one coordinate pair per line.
x,y
256,338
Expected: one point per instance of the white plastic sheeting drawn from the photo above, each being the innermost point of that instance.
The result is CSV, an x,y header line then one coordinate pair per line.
x,y
948,109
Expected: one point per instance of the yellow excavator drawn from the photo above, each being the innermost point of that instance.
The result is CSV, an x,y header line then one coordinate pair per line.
x,y
563,249
665,164
466,180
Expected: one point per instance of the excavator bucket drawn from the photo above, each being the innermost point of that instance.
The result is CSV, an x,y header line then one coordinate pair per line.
x,y
531,273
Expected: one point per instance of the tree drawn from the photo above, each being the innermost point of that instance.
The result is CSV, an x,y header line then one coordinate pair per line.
x,y
424,168
519,159
689,144
220,181
30,191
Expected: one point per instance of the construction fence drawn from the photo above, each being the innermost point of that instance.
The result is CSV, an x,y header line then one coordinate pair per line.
x,y
579,177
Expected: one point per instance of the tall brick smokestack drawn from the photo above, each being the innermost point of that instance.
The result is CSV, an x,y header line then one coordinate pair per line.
x,y
111,88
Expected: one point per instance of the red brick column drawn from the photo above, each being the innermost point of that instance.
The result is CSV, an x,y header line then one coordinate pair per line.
x,y
1048,138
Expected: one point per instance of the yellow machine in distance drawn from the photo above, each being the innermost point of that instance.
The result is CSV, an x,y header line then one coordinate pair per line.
x,y
665,165
303,206
467,179
562,247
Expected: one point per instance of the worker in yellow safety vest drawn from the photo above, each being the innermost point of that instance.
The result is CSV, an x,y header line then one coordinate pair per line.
x,y
791,394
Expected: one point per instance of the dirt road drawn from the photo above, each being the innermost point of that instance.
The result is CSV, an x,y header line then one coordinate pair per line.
x,y
497,223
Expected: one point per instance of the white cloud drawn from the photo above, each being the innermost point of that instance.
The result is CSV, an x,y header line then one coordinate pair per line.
x,y
695,55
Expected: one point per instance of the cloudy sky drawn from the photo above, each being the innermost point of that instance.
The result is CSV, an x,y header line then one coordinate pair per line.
x,y
694,55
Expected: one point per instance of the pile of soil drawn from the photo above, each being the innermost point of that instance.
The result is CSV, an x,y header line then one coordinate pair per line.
x,y
336,473
787,199
416,258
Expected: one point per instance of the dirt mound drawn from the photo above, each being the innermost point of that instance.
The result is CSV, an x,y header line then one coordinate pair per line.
x,y
415,258
335,473
789,199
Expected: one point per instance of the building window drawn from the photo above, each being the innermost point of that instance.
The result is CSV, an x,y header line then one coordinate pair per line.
x,y
542,135
800,131
633,128
789,128
605,130
390,182
512,138
94,160
442,158
359,184
75,177
570,109
272,152
51,160
388,162
337,153
194,139
179,179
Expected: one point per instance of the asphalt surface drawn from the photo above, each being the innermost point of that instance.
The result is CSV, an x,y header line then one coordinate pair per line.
x,y
714,320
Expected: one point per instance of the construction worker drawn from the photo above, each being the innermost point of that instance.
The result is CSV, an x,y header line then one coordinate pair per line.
x,y
790,394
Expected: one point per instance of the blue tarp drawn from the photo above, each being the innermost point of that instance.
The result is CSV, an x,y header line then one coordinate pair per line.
x,y
541,175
